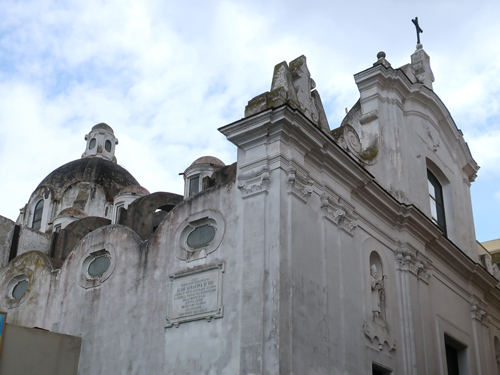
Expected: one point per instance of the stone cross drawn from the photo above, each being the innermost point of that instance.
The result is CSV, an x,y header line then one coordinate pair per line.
x,y
419,30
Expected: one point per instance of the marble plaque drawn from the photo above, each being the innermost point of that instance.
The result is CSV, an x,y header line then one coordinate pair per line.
x,y
195,295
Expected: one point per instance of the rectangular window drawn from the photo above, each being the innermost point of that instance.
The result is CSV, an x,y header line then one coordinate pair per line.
x,y
194,185
436,201
452,360
456,356
117,212
380,370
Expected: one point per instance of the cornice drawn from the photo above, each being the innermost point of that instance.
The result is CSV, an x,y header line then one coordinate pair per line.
x,y
449,254
293,128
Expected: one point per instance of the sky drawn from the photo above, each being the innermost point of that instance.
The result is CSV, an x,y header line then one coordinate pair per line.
x,y
166,74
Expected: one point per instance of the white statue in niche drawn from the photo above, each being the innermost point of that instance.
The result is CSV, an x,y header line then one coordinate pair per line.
x,y
377,292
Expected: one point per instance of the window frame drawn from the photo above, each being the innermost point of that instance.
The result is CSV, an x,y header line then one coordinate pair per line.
x,y
117,211
36,219
436,201
456,354
191,179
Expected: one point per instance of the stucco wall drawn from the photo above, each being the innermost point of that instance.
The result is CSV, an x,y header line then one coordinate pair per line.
x,y
123,319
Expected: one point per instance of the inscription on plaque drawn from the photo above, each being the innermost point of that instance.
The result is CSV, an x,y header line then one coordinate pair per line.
x,y
195,295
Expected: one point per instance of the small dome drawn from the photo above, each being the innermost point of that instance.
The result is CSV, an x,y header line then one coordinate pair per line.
x,y
73,212
110,176
134,190
103,126
208,160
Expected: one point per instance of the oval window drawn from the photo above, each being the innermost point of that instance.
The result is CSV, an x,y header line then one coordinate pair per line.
x,y
98,266
201,237
92,143
107,146
20,289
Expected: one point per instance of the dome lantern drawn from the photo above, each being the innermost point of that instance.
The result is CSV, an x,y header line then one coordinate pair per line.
x,y
101,142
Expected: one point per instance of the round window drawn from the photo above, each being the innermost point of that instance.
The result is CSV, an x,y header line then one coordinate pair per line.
x,y
107,146
201,237
92,143
20,289
99,266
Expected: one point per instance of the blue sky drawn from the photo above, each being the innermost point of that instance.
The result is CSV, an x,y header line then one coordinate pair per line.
x,y
165,75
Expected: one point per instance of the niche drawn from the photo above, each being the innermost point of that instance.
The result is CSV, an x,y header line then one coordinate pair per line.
x,y
378,305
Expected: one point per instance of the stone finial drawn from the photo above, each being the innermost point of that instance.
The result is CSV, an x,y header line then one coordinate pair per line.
x,y
282,81
292,84
421,66
381,60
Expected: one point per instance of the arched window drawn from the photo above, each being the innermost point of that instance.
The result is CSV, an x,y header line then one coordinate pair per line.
x,y
436,200
37,215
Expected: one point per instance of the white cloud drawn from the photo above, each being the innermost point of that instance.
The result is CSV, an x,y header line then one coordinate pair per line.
x,y
166,75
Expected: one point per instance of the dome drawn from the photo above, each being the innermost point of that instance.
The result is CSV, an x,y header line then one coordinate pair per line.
x,y
208,160
103,126
110,176
134,190
73,212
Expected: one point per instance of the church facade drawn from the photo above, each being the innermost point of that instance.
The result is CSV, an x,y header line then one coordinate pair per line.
x,y
344,251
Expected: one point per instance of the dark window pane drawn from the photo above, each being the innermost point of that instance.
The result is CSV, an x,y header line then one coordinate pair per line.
x,y
201,237
92,143
37,215
436,201
452,360
107,146
117,213
20,289
194,186
98,266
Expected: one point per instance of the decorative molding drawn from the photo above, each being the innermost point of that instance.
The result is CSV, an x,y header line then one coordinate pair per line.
x,y
21,274
368,117
84,279
470,169
210,217
338,213
299,184
254,182
348,138
408,259
435,140
379,336
479,311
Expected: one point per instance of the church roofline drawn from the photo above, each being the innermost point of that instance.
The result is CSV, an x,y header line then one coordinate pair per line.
x,y
428,97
